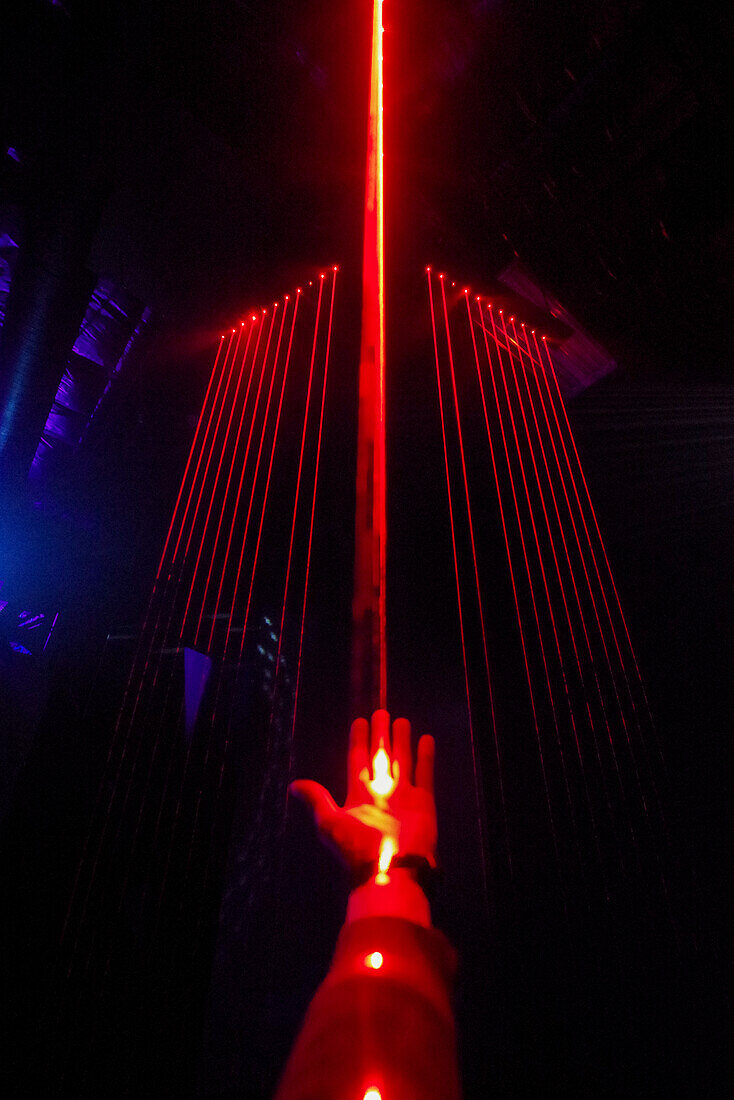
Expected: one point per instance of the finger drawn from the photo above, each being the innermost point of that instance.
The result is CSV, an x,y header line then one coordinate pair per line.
x,y
316,796
401,748
380,731
424,763
358,758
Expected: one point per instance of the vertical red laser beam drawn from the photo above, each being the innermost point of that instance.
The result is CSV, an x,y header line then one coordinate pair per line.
x,y
472,540
369,604
533,602
462,631
229,476
213,493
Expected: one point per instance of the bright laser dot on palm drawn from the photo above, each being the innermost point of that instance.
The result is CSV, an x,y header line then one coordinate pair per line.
x,y
385,776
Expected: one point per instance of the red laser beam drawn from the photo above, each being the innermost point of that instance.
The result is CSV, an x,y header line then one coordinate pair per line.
x,y
617,647
472,540
213,493
562,587
201,452
254,563
602,544
262,518
300,457
462,631
214,489
544,576
240,483
115,783
588,583
113,740
188,460
369,604
565,548
505,536
311,522
225,496
534,605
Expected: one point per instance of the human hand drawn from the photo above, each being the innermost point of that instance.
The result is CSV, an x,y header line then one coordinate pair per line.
x,y
371,825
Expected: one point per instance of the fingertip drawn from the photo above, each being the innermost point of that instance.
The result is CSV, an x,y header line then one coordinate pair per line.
x,y
380,730
424,762
359,733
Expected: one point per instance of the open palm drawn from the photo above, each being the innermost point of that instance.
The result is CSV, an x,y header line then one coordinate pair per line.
x,y
408,815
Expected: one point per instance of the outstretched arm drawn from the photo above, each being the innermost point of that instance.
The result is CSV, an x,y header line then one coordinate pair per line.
x,y
382,1019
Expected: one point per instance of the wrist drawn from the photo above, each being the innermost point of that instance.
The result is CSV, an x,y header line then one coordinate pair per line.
x,y
399,896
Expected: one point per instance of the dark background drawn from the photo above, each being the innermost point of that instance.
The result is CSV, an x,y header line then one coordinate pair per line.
x,y
214,156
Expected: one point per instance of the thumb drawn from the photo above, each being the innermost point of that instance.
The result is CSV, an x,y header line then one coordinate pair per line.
x,y
317,797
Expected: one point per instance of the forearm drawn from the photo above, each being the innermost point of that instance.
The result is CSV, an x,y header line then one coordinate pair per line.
x,y
382,1015
400,896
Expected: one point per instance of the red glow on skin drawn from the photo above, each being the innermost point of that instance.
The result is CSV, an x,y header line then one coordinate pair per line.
x,y
385,776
